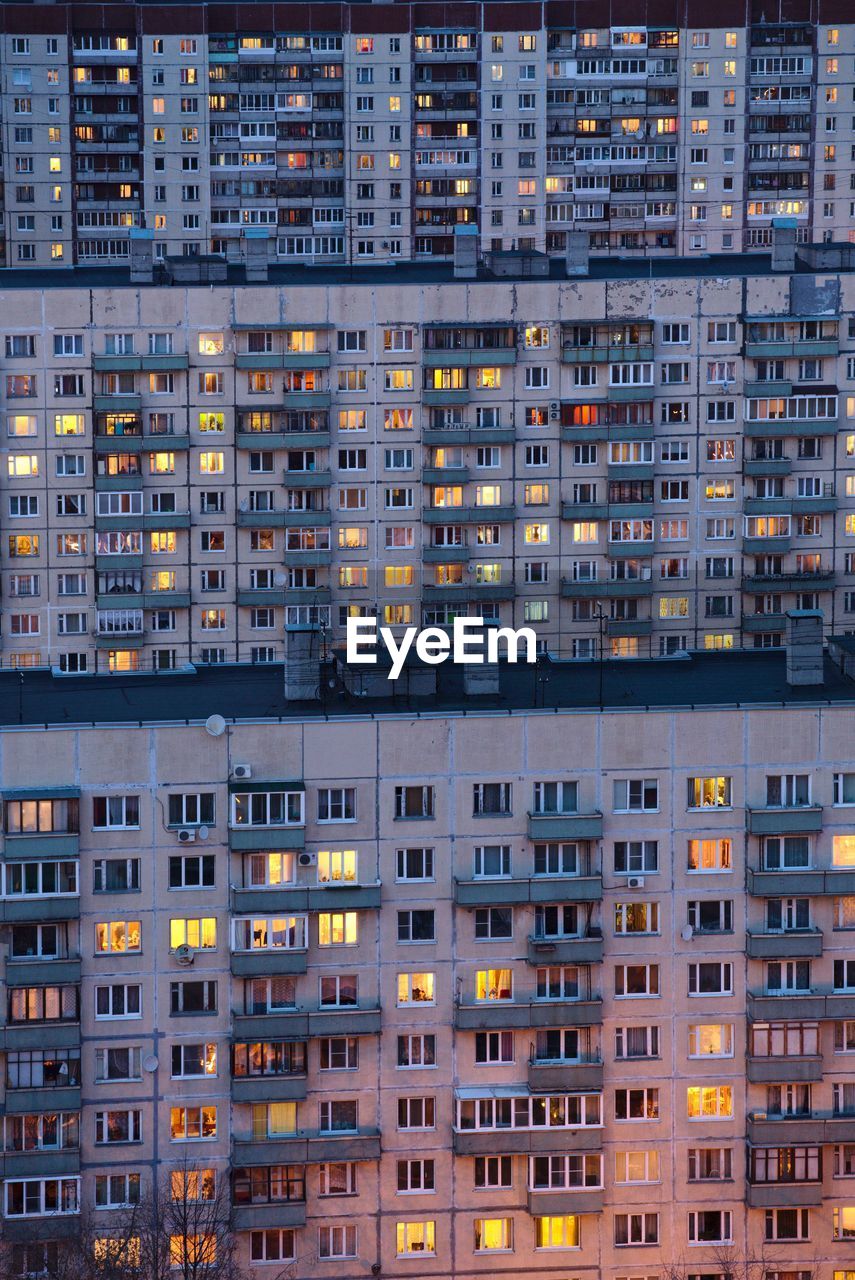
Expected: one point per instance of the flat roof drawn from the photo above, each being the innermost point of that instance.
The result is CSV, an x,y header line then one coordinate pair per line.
x,y
736,265
739,678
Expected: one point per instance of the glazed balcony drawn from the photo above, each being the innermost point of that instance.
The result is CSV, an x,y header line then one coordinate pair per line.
x,y
535,889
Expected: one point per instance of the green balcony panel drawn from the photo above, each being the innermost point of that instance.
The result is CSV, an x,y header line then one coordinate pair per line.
x,y
774,389
256,839
261,360
60,1226
784,1195
35,909
468,515
308,595
766,546
130,640
767,506
791,943
526,1141
307,479
306,360
768,466
104,564
608,588
58,1098
288,1025
260,519
761,623
344,1022
269,1088
784,883
789,582
565,826
306,400
631,471
629,550
165,442
344,897
446,555
468,435
565,951
629,627
458,396
118,444
281,1213
301,519
40,1164
170,363
43,845
116,484
827,504
549,1203
266,598
259,964
445,475
36,1035
336,1147
117,404
116,364
791,427
792,1005
770,822
505,1014
777,1070
32,972
556,1077
316,559
166,599
582,511
269,1151
261,440
630,510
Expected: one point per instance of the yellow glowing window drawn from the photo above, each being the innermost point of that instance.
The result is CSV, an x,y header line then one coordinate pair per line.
x,y
193,1253
117,936
416,988
162,580
211,344
398,615
494,984
211,463
163,542
158,106
199,934
337,929
352,537
706,1102
337,866
537,533
22,464
353,575
843,854
69,424
399,575
213,421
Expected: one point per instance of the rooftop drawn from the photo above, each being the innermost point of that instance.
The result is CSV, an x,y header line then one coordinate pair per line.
x,y
737,266
251,693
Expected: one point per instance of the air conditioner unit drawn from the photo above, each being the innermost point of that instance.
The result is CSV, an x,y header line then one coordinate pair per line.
x,y
184,954
307,859
186,836
635,882
554,409
242,772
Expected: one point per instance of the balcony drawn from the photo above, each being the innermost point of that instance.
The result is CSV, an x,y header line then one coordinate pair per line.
x,y
565,826
789,581
259,964
537,889
35,1035
767,466
546,1075
465,434
783,1070
793,1131
37,971
34,907
505,1015
357,1020
817,1005
486,1142
282,439
766,546
807,880
762,945
784,821
615,354
547,1203
307,1147
468,515
587,949
282,1088
784,1195
584,510
42,844
278,1214
629,627
306,479
257,839
340,896
608,588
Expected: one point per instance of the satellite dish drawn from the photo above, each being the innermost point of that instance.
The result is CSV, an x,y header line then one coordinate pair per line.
x,y
184,954
687,933
150,1062
281,579
203,833
216,726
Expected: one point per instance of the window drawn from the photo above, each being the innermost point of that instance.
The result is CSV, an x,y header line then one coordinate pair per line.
x,y
492,861
200,934
189,1124
337,804
636,795
191,809
633,980
337,1242
709,1102
706,793
710,1226
491,798
636,1228
710,855
192,1060
414,1239
414,802
634,857
636,917
117,1126
118,936
118,1064
636,1166
267,808
707,978
417,925
636,1104
495,1235
414,864
416,988
559,1232
115,813
337,928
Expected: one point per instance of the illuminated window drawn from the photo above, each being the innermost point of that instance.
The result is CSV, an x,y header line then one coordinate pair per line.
x,y
118,936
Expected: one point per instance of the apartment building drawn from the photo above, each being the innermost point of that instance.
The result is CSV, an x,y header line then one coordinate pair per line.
x,y
564,991
629,463
375,133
